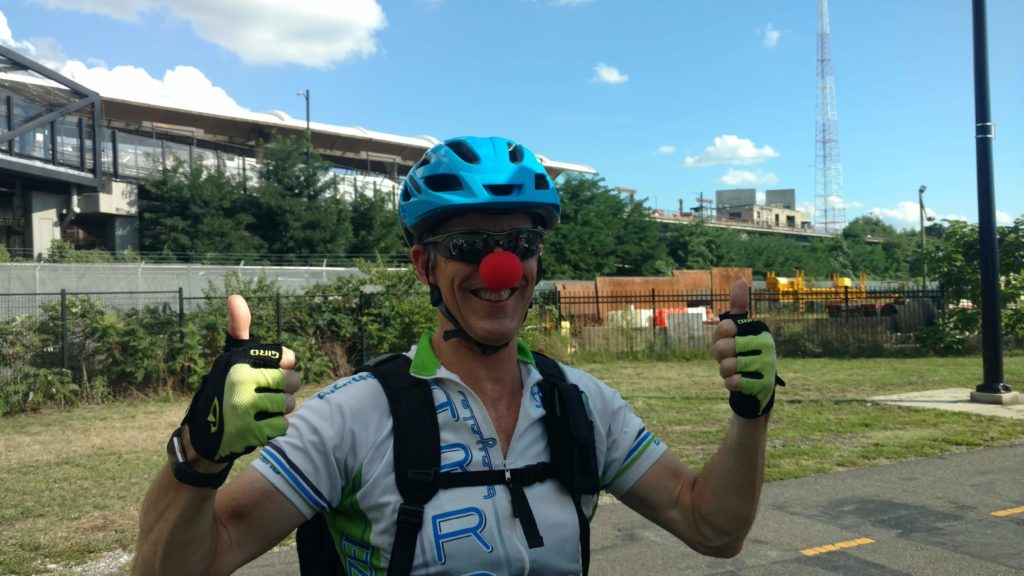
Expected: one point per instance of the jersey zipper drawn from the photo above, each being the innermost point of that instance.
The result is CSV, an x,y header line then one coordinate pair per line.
x,y
505,458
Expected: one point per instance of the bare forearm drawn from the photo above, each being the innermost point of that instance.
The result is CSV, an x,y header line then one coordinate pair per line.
x,y
176,529
726,493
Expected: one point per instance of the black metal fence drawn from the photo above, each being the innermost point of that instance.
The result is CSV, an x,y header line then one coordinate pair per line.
x,y
841,322
828,322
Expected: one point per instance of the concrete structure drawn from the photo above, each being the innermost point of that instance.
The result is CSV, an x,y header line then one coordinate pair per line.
x,y
740,206
786,198
729,203
71,158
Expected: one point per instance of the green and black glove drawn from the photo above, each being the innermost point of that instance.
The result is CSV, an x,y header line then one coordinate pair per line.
x,y
755,363
241,404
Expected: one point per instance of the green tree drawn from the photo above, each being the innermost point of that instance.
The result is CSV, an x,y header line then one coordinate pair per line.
x,y
641,244
691,246
195,210
956,265
296,205
602,234
375,227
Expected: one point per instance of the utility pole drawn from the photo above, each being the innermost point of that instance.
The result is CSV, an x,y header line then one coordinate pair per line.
x,y
992,389
309,135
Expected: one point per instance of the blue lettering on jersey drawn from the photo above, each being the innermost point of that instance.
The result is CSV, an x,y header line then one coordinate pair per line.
x,y
462,520
535,395
445,405
343,383
483,443
460,463
357,557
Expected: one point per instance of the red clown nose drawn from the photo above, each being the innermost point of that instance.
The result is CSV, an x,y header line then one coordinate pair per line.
x,y
500,270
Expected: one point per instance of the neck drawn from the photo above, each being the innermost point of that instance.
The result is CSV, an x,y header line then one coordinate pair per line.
x,y
489,376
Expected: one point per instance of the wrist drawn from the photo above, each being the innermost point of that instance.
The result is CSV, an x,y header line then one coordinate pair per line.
x,y
196,460
199,473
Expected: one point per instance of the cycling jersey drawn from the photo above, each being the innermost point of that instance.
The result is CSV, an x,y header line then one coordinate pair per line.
x,y
336,459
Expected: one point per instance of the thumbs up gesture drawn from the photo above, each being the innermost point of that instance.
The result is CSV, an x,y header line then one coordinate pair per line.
x,y
745,351
243,399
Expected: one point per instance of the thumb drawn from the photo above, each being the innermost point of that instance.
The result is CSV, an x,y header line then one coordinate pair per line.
x,y
739,298
239,317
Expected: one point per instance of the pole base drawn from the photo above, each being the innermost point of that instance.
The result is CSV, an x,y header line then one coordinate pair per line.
x,y
998,388
1004,398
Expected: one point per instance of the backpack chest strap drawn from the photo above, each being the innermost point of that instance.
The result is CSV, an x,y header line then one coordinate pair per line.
x,y
517,479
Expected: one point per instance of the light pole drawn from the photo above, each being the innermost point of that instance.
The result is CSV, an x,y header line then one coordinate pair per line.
x,y
924,216
309,135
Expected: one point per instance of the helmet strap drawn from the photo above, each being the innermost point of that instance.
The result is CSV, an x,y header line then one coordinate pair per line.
x,y
437,301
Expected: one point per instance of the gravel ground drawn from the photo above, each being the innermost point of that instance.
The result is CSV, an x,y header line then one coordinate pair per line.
x,y
115,563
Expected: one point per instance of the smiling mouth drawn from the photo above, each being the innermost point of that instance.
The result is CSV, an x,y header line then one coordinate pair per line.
x,y
493,295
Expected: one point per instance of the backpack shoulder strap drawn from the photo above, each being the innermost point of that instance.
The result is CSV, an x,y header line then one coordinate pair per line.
x,y
571,442
417,453
417,460
570,430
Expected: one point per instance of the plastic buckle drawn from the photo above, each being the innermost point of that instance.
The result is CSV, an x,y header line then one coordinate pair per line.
x,y
422,476
409,516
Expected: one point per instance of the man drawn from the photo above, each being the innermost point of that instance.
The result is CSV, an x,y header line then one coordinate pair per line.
x,y
474,211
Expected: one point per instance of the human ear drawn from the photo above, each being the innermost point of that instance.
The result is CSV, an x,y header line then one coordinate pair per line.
x,y
421,260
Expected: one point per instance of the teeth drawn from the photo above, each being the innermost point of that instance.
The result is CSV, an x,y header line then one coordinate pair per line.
x,y
494,295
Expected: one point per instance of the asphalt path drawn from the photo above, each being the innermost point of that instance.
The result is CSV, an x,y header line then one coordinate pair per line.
x,y
956,515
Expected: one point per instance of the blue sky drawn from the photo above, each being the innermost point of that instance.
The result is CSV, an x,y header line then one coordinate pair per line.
x,y
672,98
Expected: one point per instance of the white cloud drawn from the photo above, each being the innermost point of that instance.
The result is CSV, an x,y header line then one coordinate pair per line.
x,y
7,38
770,36
730,149
125,10
840,202
733,177
1003,218
666,150
905,214
606,74
316,33
184,86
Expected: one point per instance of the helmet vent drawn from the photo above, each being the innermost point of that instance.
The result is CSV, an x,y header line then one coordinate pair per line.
x,y
540,182
503,189
515,153
411,183
464,151
443,182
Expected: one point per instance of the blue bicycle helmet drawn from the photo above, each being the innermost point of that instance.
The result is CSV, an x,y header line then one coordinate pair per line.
x,y
475,174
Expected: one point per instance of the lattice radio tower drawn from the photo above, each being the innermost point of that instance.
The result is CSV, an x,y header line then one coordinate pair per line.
x,y
829,210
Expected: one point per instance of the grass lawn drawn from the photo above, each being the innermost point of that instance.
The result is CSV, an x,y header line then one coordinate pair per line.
x,y
73,481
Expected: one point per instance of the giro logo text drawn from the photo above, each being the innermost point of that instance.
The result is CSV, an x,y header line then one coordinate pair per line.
x,y
266,353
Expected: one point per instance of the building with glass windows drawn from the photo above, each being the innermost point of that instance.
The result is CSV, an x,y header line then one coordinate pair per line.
x,y
71,159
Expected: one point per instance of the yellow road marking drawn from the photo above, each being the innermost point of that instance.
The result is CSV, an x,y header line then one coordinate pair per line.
x,y
1009,511
836,546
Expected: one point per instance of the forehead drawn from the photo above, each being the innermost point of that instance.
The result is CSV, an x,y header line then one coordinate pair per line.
x,y
484,221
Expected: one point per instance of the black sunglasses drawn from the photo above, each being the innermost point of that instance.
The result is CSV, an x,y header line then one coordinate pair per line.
x,y
471,246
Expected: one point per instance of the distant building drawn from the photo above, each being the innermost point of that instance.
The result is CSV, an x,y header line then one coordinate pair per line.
x,y
71,159
731,203
784,198
779,210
